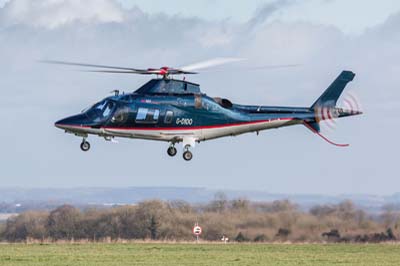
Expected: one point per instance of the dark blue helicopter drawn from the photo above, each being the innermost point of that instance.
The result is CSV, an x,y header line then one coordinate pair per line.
x,y
175,111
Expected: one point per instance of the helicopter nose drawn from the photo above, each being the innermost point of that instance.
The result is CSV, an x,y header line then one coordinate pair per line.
x,y
72,122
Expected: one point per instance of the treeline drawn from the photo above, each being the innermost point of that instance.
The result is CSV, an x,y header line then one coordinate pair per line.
x,y
238,220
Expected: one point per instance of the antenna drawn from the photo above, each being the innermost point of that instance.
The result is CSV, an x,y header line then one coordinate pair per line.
x,y
116,92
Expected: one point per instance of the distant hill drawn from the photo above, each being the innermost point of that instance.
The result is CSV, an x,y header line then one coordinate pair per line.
x,y
27,198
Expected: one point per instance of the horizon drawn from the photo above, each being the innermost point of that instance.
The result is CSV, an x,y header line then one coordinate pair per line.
x,y
216,189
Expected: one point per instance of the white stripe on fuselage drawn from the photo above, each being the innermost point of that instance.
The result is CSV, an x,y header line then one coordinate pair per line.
x,y
200,134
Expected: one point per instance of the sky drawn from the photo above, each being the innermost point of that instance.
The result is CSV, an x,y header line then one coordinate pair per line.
x,y
339,13
323,36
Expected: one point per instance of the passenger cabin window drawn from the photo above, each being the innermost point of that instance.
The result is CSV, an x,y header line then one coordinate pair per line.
x,y
146,115
168,117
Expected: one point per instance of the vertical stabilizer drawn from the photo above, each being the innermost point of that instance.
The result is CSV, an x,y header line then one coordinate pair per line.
x,y
330,97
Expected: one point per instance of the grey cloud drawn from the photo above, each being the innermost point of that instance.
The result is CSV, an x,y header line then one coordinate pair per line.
x,y
266,11
55,13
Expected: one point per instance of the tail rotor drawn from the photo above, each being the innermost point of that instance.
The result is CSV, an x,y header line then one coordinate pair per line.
x,y
327,116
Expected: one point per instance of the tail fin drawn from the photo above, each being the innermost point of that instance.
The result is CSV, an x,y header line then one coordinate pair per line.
x,y
330,97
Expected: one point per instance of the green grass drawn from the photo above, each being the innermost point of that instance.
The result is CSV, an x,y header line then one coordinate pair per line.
x,y
201,254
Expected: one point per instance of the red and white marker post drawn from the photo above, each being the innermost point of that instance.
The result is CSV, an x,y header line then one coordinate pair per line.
x,y
197,231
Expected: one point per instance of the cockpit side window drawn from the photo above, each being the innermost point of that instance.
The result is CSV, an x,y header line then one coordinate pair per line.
x,y
101,110
108,108
100,105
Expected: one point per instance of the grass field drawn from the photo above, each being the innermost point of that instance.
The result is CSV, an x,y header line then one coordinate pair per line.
x,y
201,254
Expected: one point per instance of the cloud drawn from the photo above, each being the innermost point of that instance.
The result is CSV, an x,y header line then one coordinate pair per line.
x,y
53,13
35,95
266,11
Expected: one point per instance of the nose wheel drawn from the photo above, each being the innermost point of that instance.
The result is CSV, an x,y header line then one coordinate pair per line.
x,y
85,145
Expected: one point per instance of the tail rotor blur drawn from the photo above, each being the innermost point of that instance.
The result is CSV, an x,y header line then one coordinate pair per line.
x,y
351,103
327,116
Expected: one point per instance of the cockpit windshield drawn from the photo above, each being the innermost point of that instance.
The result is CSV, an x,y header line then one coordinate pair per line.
x,y
101,110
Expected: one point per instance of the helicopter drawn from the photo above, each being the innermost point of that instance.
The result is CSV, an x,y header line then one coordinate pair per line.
x,y
177,111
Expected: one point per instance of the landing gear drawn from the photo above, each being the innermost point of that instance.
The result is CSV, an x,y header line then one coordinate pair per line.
x,y
187,155
85,145
187,144
172,151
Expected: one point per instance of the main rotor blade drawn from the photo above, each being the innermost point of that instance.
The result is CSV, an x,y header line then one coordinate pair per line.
x,y
147,72
211,63
189,69
118,72
251,68
134,70
181,71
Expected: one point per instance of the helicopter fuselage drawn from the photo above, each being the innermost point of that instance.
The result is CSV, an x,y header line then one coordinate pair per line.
x,y
177,111
174,118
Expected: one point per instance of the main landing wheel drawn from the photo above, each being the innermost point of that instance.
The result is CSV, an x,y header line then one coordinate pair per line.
x,y
85,146
172,151
187,155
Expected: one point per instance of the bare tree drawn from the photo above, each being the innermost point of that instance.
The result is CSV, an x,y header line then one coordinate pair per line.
x,y
240,204
220,202
154,219
63,223
26,225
